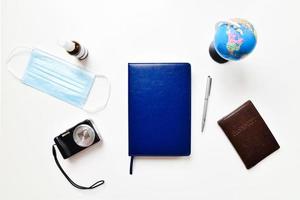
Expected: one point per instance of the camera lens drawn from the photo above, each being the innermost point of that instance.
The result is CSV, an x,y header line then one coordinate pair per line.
x,y
84,135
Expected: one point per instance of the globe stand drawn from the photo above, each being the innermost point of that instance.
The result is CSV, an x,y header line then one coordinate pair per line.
x,y
215,56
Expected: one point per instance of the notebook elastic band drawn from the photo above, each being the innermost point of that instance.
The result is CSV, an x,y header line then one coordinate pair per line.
x,y
131,165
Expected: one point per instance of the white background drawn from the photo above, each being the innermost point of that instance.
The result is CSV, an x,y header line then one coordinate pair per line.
x,y
118,32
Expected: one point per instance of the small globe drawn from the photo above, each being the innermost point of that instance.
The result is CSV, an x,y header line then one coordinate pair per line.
x,y
234,39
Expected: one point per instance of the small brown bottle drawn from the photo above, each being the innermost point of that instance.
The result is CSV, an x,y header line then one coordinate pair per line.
x,y
75,49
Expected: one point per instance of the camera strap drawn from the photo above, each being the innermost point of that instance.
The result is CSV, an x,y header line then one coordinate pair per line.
x,y
98,183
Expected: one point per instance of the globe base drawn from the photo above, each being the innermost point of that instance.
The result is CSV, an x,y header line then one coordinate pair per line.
x,y
215,56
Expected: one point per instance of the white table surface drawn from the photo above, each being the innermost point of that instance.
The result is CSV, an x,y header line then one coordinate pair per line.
x,y
118,32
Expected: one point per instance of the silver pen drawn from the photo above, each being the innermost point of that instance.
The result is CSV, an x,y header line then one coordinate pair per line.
x,y
207,93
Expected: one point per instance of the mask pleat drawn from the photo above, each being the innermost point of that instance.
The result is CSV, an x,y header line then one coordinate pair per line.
x,y
57,78
60,71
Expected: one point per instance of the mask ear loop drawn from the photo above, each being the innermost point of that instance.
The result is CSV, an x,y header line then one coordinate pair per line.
x,y
101,107
15,52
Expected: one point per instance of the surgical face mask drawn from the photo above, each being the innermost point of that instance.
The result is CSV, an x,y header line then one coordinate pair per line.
x,y
60,79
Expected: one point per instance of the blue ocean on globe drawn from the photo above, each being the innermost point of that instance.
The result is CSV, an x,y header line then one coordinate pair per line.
x,y
234,39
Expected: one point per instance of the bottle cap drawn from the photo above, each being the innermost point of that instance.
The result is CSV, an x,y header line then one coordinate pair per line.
x,y
67,45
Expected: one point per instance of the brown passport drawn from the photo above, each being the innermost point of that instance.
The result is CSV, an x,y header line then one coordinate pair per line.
x,y
249,134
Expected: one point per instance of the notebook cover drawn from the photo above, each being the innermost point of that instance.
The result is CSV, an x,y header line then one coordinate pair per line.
x,y
159,103
249,134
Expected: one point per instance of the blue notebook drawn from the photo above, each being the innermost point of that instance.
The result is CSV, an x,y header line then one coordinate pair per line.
x,y
159,108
